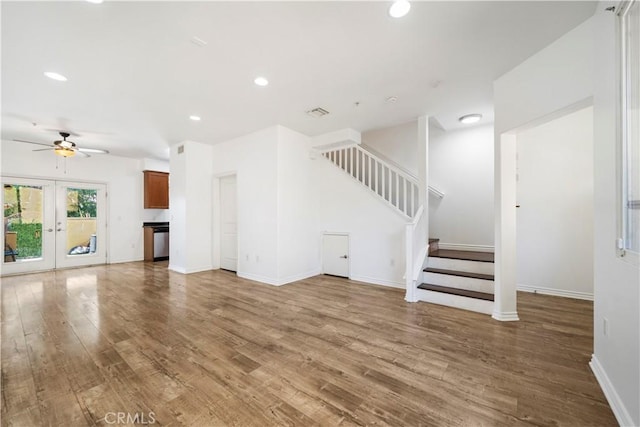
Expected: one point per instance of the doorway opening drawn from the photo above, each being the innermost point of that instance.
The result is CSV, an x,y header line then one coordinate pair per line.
x,y
52,224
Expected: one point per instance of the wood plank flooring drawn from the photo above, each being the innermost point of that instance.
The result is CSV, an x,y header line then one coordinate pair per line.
x,y
210,349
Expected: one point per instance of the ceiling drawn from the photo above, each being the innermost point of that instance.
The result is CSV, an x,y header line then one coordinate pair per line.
x,y
135,76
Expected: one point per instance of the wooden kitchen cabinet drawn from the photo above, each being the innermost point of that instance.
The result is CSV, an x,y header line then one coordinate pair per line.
x,y
156,190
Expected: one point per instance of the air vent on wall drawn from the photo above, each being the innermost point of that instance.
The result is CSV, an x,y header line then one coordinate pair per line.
x,y
317,112
180,149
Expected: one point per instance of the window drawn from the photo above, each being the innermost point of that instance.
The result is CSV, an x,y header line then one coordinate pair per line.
x,y
630,126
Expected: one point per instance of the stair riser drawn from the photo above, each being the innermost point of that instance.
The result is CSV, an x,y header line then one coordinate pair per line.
x,y
461,265
464,303
458,282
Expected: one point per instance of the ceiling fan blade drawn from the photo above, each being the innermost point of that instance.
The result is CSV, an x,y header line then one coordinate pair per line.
x,y
32,142
44,149
93,150
82,154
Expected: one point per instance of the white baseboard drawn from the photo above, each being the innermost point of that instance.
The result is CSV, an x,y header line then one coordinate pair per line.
x,y
301,276
555,292
122,261
278,282
618,408
507,316
182,270
177,269
381,282
259,278
461,247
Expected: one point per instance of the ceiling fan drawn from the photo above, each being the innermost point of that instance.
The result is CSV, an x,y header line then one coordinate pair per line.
x,y
66,148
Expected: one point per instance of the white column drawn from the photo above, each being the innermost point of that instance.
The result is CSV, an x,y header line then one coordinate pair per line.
x,y
505,305
190,207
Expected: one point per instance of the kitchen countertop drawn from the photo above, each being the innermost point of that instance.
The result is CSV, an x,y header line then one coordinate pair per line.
x,y
155,224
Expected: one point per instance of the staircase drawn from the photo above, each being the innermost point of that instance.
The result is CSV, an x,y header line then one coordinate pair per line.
x,y
462,279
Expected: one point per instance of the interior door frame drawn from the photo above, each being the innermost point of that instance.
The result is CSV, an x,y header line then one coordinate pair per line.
x,y
216,217
337,233
53,182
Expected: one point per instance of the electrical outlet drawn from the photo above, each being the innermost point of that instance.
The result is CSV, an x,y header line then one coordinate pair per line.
x,y
393,262
605,326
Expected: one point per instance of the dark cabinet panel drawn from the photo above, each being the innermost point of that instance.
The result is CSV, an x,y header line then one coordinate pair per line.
x,y
156,190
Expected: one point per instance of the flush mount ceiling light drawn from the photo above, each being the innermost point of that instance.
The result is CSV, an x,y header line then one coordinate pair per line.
x,y
261,81
55,76
95,1
399,8
195,118
470,118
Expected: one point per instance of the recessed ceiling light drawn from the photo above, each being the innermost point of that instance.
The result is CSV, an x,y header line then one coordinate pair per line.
x,y
95,1
195,118
470,118
261,81
55,76
392,99
399,8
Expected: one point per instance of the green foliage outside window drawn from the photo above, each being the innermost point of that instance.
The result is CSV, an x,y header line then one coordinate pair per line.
x,y
82,203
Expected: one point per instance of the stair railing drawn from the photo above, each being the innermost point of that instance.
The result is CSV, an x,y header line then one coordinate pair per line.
x,y
394,186
416,247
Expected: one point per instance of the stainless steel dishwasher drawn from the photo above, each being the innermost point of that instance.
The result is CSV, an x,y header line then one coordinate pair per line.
x,y
160,243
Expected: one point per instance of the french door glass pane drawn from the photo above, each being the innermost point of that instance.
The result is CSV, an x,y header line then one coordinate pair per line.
x,y
82,204
23,216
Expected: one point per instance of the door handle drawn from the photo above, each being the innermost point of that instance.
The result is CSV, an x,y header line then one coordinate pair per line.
x,y
50,230
344,256
59,229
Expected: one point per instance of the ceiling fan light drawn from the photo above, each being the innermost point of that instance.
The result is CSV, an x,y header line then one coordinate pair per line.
x,y
64,152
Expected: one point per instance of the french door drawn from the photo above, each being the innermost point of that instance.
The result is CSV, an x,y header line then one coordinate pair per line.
x,y
52,224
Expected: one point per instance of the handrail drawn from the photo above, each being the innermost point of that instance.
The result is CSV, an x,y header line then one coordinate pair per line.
x,y
416,247
395,169
433,190
417,216
395,187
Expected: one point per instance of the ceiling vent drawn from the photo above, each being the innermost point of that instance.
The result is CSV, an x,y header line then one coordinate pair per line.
x,y
317,112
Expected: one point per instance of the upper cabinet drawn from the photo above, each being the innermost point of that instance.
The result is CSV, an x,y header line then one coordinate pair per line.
x,y
156,190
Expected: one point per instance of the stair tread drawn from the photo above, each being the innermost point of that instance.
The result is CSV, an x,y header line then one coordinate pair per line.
x,y
460,273
463,255
456,291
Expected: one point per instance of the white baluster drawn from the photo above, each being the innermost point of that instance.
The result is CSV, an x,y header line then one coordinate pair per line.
x,y
406,196
351,160
413,200
397,205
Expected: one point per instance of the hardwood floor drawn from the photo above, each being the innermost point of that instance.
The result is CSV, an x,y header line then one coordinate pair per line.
x,y
210,349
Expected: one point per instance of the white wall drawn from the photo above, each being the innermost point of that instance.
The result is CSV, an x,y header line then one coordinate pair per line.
x,y
298,233
461,166
555,218
559,75
376,232
616,357
254,159
122,175
396,143
579,65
